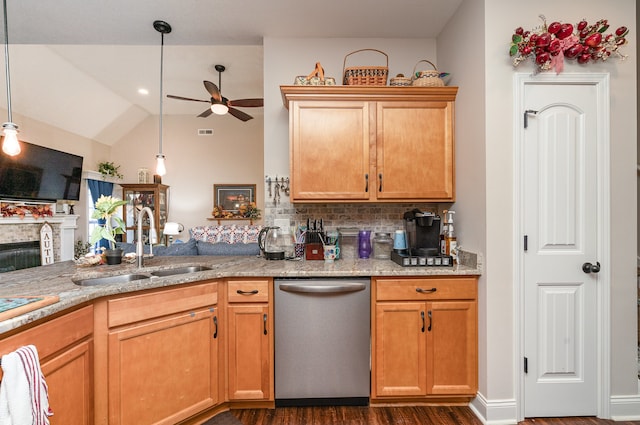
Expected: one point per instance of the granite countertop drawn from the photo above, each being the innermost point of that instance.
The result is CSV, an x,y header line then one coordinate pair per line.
x,y
57,279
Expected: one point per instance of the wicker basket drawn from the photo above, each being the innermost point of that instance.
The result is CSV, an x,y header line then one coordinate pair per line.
x,y
430,78
365,75
400,80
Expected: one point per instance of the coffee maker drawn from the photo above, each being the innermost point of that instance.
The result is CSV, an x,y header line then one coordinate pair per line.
x,y
423,241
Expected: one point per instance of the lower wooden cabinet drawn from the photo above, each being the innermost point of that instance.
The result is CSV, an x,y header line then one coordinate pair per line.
x,y
65,347
250,331
452,353
425,338
163,355
167,355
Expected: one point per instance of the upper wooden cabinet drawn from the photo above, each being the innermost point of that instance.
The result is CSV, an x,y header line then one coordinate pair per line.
x,y
371,144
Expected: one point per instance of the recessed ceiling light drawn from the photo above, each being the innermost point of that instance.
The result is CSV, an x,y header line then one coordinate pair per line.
x,y
143,91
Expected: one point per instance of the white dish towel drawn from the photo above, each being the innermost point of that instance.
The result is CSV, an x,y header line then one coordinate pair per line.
x,y
24,398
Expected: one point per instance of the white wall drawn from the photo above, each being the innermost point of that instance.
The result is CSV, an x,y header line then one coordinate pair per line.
x,y
466,62
234,154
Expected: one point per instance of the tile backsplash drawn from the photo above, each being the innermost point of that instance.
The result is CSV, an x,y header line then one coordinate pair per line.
x,y
375,217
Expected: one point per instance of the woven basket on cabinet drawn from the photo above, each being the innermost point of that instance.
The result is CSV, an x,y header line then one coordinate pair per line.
x,y
429,78
365,75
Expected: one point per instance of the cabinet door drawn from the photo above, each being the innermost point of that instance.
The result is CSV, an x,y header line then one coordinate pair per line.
x,y
249,352
415,152
400,349
65,347
329,150
452,366
69,379
163,371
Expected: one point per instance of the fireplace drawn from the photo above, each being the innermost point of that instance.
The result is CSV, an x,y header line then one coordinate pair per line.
x,y
27,230
19,255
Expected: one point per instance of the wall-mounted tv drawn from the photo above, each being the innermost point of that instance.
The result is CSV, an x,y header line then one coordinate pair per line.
x,y
40,174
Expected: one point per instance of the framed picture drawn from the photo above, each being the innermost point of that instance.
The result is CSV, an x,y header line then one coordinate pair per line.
x,y
231,198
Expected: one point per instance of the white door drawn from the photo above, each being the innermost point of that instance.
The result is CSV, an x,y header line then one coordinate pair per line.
x,y
559,159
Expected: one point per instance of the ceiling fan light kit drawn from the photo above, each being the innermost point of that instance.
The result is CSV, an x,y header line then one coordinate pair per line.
x,y
163,28
219,108
10,144
219,104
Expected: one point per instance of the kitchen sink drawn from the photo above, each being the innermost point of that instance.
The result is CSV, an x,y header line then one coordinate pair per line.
x,y
123,278
180,270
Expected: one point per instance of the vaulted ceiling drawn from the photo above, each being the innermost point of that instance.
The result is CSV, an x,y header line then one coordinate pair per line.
x,y
78,64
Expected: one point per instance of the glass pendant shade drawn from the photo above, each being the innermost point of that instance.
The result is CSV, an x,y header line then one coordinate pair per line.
x,y
10,144
161,170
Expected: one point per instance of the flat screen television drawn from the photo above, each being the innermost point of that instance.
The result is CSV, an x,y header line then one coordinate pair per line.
x,y
40,174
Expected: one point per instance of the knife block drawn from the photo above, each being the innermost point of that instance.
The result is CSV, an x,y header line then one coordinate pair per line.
x,y
313,251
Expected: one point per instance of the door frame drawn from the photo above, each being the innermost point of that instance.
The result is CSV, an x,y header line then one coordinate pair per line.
x,y
601,82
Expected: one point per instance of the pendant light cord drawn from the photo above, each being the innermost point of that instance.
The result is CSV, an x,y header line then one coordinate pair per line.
x,y
161,79
6,59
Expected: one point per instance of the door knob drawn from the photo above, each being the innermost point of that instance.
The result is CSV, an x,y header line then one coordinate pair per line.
x,y
591,268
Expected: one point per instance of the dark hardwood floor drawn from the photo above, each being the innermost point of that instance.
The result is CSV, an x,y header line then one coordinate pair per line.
x,y
440,415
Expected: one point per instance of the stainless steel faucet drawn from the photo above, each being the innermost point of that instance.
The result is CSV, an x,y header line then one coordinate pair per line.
x,y
152,235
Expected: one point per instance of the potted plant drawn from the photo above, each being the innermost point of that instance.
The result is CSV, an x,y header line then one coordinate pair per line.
x,y
109,169
105,209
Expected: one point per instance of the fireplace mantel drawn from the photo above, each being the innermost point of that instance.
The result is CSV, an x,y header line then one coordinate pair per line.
x,y
67,224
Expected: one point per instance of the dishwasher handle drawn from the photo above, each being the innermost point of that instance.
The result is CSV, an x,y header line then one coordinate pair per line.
x,y
310,288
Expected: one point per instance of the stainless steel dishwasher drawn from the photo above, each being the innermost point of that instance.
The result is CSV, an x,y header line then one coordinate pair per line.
x,y
322,342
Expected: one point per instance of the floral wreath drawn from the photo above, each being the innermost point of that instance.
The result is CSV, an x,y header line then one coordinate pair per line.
x,y
547,46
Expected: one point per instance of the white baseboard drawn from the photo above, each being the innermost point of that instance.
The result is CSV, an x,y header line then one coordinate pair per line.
x,y
494,412
625,407
504,412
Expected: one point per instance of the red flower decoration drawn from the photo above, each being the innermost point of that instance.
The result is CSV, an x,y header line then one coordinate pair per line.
x,y
549,45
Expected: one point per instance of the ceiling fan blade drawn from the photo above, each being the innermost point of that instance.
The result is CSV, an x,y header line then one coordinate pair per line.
x,y
239,114
213,90
186,98
205,113
247,103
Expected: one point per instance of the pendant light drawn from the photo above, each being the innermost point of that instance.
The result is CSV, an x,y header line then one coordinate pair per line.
x,y
163,28
10,145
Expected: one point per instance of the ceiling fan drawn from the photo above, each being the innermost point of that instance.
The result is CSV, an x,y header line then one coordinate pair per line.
x,y
220,105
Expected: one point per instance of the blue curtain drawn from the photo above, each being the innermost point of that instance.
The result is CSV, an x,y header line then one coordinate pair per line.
x,y
98,188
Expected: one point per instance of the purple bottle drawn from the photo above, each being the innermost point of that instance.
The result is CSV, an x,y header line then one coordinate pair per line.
x,y
364,243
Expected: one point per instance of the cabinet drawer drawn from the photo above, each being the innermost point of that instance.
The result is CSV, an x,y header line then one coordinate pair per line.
x,y
248,291
161,303
53,335
426,288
